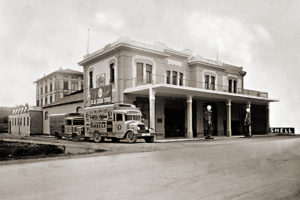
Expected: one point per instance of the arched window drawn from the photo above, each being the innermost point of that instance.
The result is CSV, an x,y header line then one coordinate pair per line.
x,y
79,109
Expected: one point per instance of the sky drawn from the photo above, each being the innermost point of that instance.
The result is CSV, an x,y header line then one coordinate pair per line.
x,y
38,37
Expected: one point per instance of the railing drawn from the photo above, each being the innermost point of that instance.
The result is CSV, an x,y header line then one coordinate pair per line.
x,y
156,79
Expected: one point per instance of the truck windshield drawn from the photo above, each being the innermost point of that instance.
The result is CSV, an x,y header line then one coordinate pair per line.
x,y
133,117
78,122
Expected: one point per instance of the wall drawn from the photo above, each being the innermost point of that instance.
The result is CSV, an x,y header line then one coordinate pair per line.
x,y
36,122
58,110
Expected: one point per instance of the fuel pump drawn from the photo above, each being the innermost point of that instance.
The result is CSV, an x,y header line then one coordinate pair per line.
x,y
209,122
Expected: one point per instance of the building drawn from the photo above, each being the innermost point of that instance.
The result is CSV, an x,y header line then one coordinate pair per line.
x,y
26,121
70,103
56,85
4,113
173,88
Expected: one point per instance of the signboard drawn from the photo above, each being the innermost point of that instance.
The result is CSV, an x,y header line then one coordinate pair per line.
x,y
282,130
101,95
100,80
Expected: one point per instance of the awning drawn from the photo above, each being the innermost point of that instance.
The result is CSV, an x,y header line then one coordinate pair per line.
x,y
163,89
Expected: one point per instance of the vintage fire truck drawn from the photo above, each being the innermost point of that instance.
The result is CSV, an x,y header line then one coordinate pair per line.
x,y
69,125
116,122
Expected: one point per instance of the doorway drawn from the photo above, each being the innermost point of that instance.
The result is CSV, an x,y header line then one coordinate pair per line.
x,y
175,117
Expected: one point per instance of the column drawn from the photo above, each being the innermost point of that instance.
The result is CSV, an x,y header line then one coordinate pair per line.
x,y
189,117
152,107
250,129
268,118
229,118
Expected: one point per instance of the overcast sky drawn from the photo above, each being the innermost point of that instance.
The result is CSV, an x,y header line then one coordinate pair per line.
x,y
38,37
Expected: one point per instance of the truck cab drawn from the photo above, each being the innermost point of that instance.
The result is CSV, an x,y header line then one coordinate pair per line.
x,y
74,126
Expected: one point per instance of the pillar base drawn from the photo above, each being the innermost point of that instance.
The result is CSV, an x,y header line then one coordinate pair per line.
x,y
190,135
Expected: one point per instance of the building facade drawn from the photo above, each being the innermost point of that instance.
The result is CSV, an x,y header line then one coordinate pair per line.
x,y
26,121
173,89
71,103
56,85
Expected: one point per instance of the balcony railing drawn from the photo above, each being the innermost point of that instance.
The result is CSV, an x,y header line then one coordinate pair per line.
x,y
156,79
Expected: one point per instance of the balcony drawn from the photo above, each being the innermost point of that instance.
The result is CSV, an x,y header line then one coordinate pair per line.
x,y
173,81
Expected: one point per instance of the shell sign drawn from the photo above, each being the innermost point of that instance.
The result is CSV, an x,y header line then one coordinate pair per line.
x,y
101,95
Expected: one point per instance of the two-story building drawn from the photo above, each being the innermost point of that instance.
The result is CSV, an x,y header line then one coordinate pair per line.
x,y
173,88
56,85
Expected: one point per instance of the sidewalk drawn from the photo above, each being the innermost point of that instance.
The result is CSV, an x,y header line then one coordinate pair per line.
x,y
215,138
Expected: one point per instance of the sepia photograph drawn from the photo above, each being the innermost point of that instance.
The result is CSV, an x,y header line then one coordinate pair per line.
x,y
149,100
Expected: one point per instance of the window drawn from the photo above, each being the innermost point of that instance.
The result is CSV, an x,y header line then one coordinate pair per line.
x,y
91,79
50,99
181,79
24,123
168,77
212,83
207,82
50,87
27,121
37,103
78,122
20,121
82,85
112,73
68,122
230,85
119,117
46,115
74,86
234,86
132,117
41,101
46,89
148,73
139,72
46,100
174,77
41,90
79,109
66,85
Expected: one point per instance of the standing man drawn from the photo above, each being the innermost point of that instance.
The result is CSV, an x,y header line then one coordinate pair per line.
x,y
247,123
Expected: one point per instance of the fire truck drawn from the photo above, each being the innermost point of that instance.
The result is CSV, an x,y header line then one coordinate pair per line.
x,y
116,122
70,125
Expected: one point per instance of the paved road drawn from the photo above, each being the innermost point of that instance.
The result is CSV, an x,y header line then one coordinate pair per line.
x,y
261,168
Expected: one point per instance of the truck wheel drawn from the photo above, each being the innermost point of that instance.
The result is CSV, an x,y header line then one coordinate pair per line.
x,y
75,137
115,140
131,138
149,139
97,137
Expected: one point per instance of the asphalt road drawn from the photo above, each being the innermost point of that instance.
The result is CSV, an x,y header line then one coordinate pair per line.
x,y
260,168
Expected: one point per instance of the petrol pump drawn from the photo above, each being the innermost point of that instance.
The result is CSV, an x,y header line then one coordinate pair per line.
x,y
247,122
208,118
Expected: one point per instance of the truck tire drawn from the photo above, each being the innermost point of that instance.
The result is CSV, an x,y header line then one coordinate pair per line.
x,y
149,139
115,140
75,137
131,138
97,137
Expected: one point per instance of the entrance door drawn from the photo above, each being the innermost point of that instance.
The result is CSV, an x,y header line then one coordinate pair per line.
x,y
174,118
118,125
